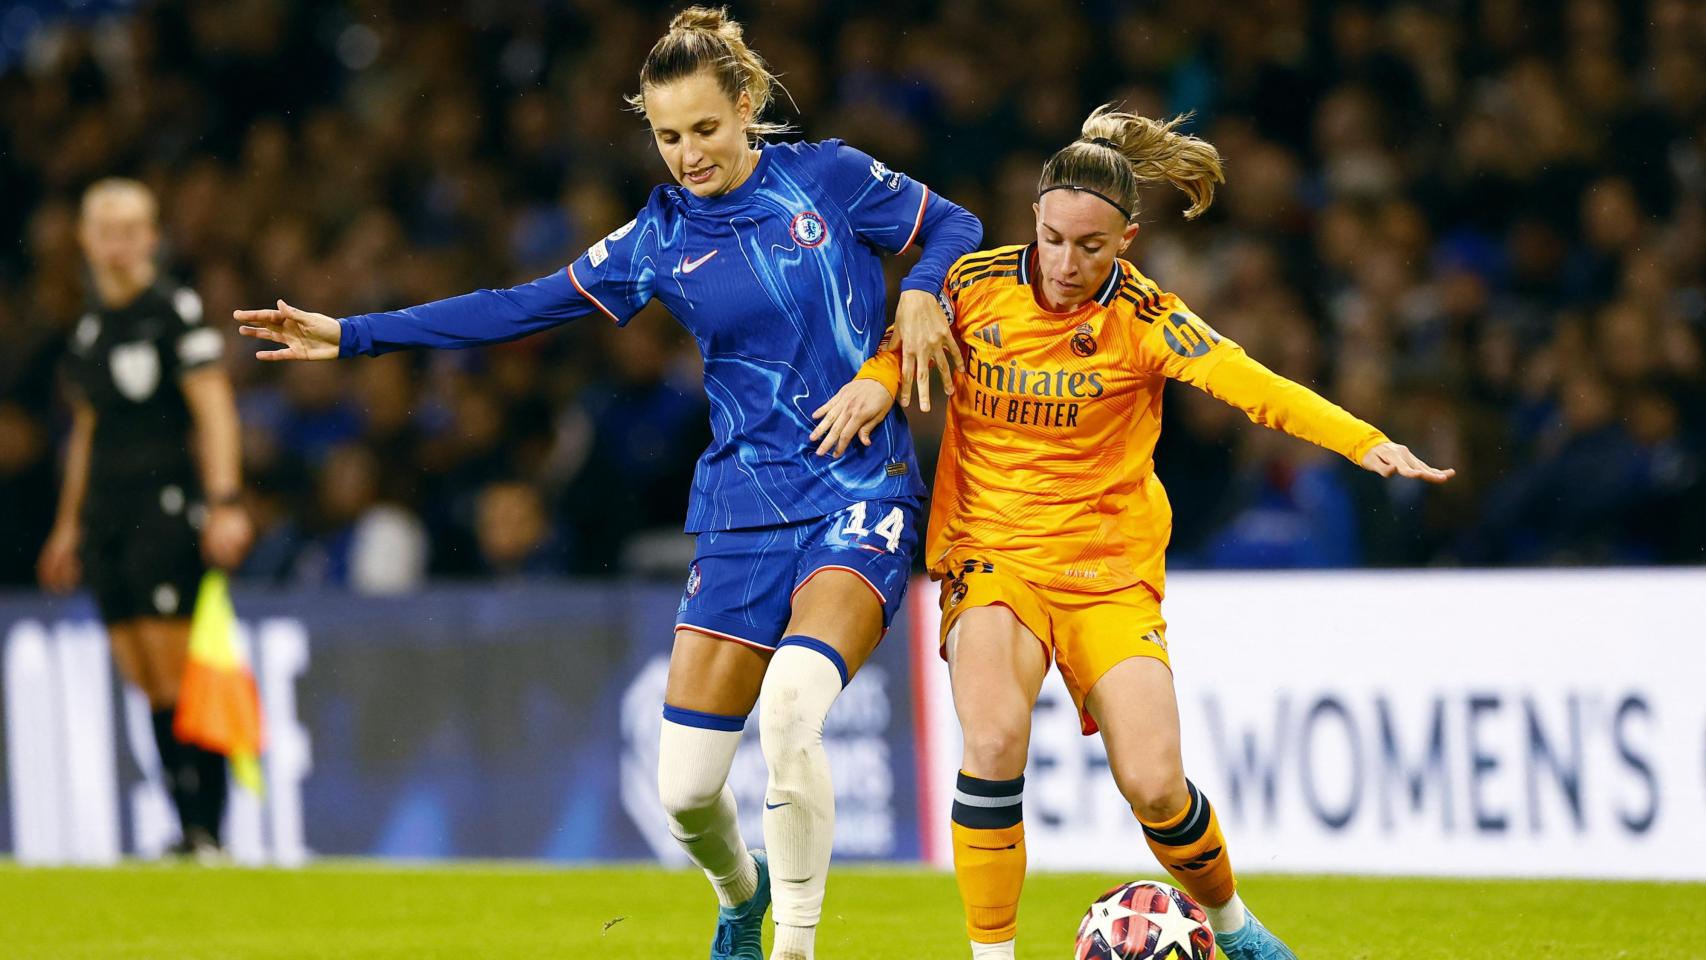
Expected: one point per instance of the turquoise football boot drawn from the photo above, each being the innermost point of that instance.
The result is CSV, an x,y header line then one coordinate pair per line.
x,y
740,929
1252,941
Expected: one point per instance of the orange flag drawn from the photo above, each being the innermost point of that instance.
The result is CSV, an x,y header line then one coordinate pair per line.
x,y
219,708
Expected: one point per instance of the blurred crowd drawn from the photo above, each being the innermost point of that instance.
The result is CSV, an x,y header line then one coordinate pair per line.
x,y
1480,225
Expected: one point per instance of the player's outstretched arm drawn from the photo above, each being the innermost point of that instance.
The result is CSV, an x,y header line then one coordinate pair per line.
x,y
302,335
854,411
1391,458
1185,348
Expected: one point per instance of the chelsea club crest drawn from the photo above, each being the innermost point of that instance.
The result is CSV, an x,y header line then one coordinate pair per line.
x,y
693,580
808,229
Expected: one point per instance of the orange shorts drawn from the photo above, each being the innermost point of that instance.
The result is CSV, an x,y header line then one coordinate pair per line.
x,y
1084,634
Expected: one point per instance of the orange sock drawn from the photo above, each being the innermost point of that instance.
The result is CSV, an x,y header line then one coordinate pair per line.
x,y
1191,847
989,855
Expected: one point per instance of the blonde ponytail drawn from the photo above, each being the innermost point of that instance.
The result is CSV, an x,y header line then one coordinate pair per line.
x,y
707,38
1120,151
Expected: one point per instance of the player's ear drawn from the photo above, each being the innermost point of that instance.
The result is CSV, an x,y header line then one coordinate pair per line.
x,y
743,108
1128,237
1037,210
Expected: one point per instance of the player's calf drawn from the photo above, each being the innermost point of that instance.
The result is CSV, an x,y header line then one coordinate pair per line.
x,y
1189,844
695,751
989,860
805,677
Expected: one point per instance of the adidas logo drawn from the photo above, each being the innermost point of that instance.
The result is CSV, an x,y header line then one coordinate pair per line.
x,y
1207,858
990,334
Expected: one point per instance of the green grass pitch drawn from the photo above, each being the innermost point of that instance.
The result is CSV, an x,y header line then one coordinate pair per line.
x,y
350,910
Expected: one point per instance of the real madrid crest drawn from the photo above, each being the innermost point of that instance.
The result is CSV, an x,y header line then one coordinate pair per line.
x,y
1083,341
808,229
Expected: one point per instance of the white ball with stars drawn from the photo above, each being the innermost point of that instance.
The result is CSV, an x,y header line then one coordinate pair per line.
x,y
1145,921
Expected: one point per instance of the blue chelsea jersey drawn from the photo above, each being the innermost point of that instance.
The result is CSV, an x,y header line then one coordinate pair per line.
x,y
780,281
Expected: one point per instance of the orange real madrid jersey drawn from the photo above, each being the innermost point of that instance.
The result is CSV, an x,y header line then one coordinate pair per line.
x,y
1047,458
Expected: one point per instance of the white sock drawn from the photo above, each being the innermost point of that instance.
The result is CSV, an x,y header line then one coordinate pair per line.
x,y
992,951
693,774
1228,917
799,803
793,943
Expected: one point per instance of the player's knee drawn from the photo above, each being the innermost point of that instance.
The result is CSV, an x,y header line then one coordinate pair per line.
x,y
163,696
1155,793
162,688
996,750
683,796
799,688
789,724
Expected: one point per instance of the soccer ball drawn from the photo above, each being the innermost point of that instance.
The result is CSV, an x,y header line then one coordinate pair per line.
x,y
1145,921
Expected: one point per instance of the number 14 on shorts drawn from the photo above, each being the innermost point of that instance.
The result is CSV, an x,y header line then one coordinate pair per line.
x,y
888,530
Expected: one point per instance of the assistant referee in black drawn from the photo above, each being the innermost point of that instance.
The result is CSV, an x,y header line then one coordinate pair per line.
x,y
151,495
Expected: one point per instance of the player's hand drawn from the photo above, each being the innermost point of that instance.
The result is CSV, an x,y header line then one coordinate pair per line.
x,y
1395,458
58,568
225,536
925,339
854,411
304,335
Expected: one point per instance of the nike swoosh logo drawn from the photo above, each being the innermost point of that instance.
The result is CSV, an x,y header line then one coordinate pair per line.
x,y
688,266
772,806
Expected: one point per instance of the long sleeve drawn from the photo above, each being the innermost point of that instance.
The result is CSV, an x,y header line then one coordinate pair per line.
x,y
1273,401
613,277
1182,346
946,233
469,320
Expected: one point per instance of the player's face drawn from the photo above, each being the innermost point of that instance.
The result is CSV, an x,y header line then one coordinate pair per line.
x,y
701,133
1078,237
117,233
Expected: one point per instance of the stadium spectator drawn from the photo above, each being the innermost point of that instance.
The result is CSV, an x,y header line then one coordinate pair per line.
x,y
364,542
514,533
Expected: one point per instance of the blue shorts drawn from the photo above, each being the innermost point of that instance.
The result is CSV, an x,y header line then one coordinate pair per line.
x,y
742,583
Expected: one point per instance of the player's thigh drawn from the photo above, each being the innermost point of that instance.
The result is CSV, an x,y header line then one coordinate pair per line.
x,y
852,575
1093,632
711,674
127,654
838,608
1138,712
996,666
733,610
164,643
737,586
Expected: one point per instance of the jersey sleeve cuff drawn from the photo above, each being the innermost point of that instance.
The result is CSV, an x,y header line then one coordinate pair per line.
x,y
354,337
1369,443
887,376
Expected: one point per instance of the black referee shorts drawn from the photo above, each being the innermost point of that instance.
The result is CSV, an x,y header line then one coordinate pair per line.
x,y
142,552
